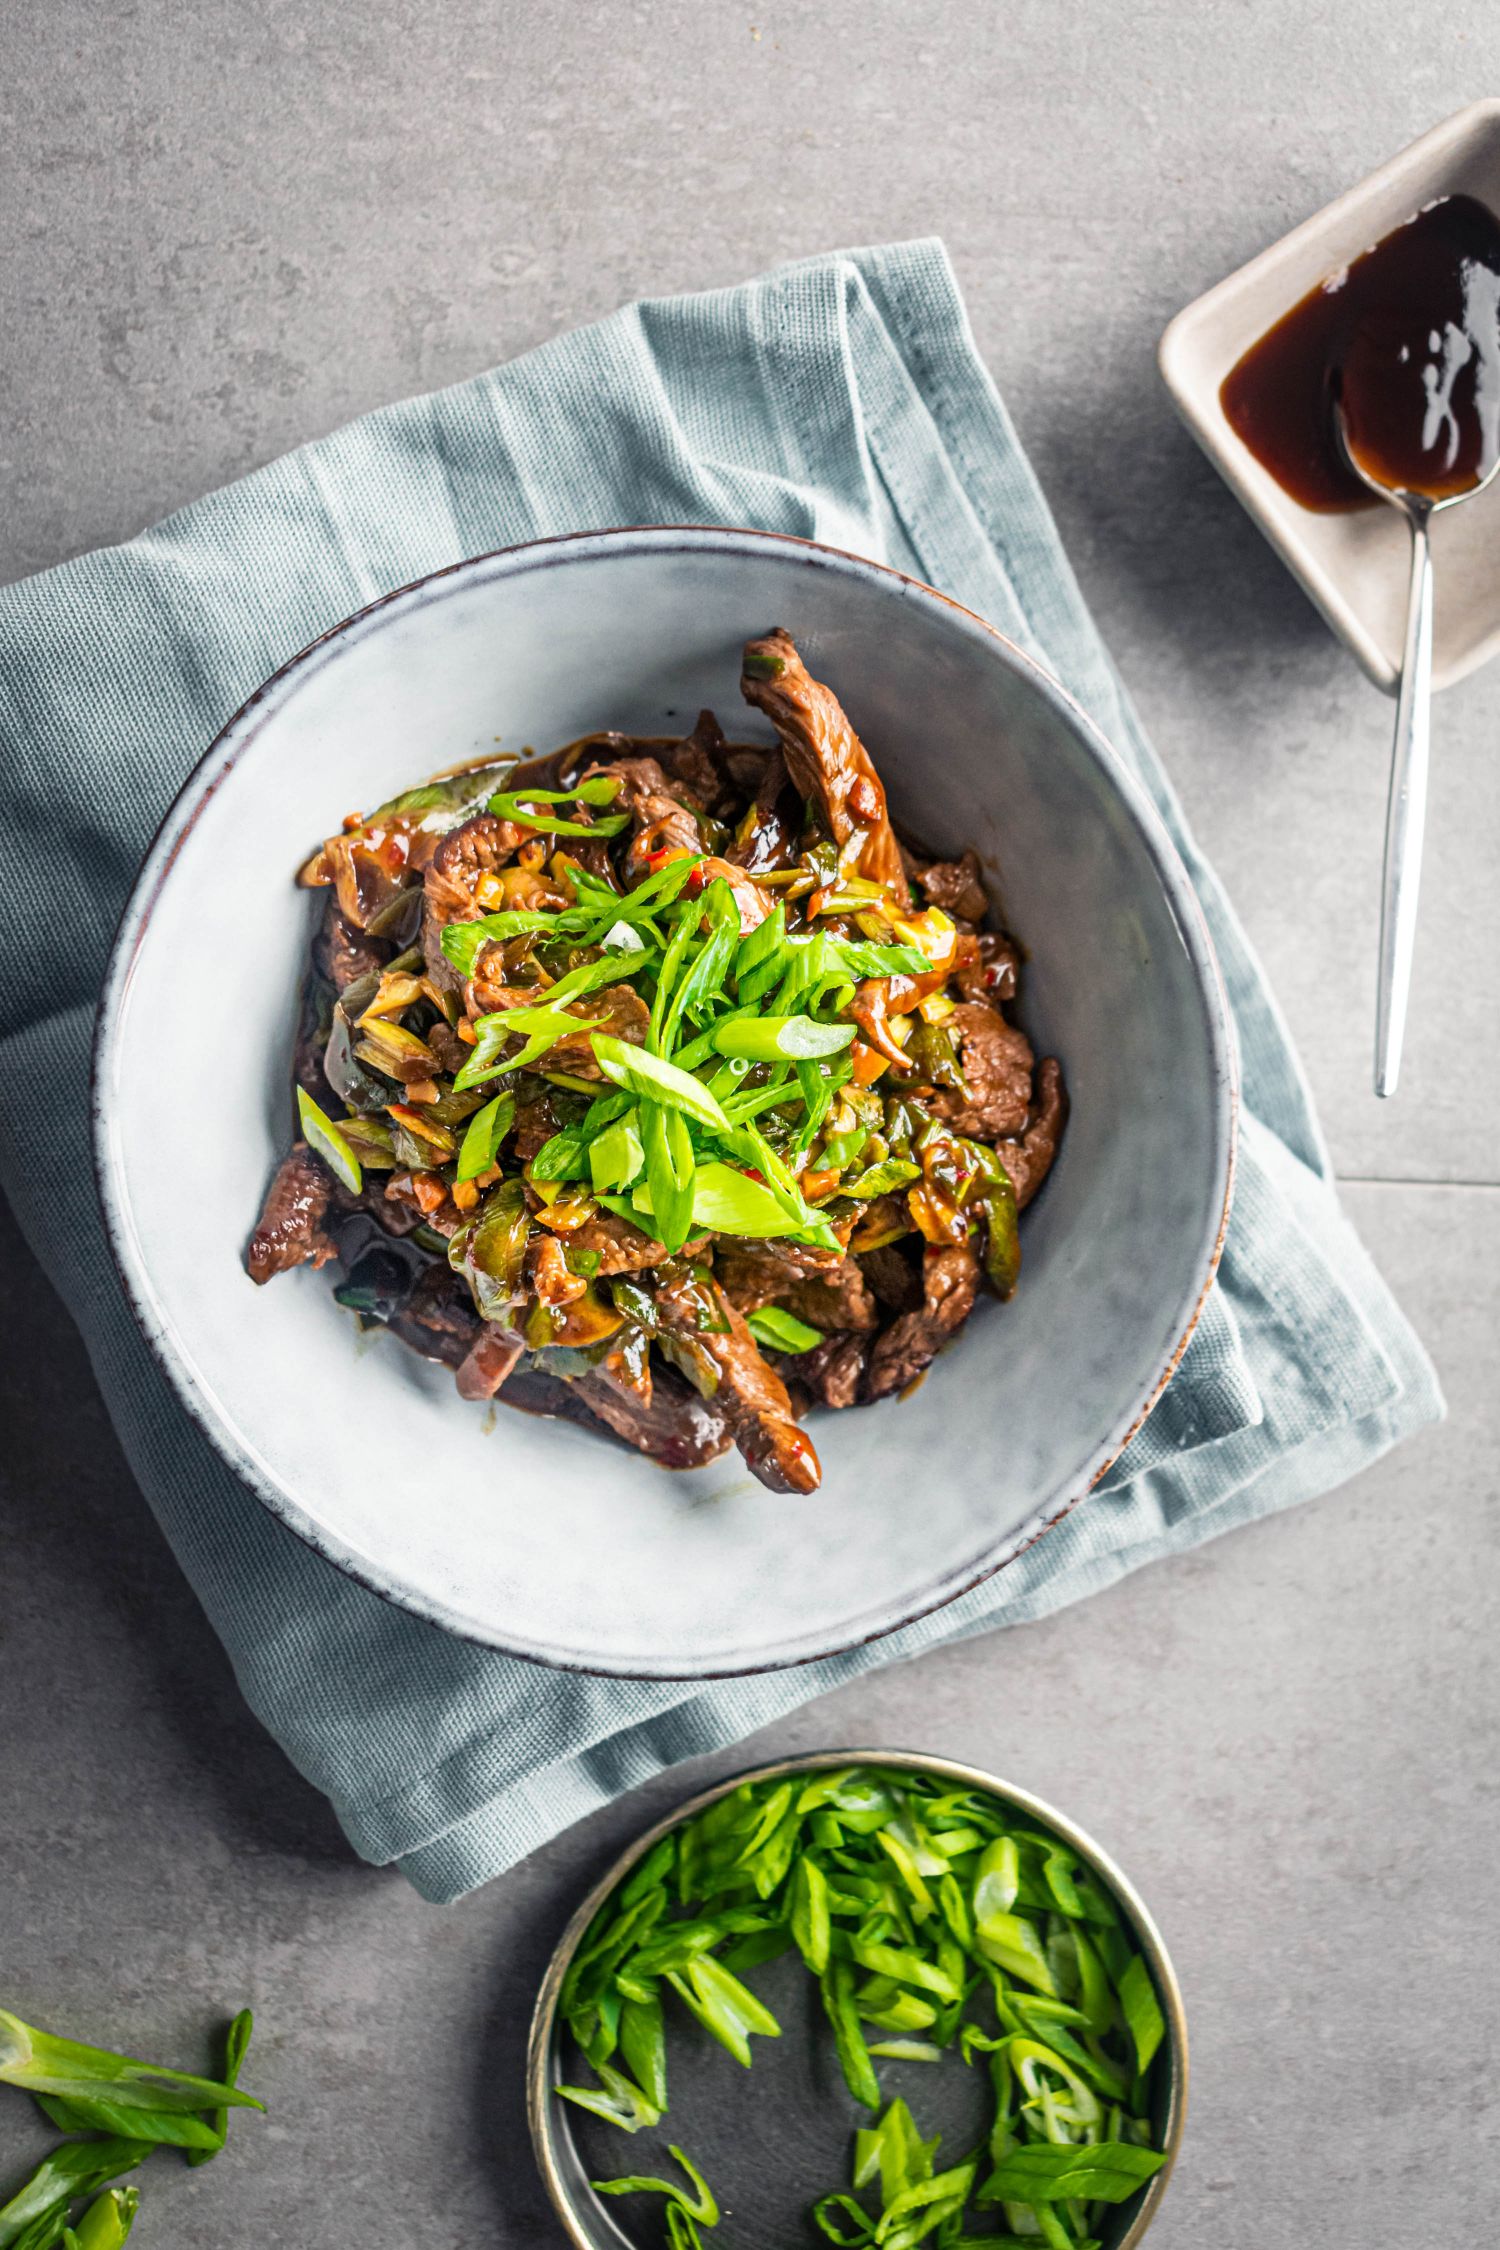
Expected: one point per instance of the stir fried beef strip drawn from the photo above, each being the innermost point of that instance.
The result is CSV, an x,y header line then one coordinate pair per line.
x,y
672,1424
699,766
610,1245
342,953
1029,1159
438,1318
537,1120
825,757
291,1230
905,1350
452,883
996,1062
490,1359
833,1372
749,1392
894,1280
956,885
842,1300
662,822
755,1274
987,966
831,1294
654,1084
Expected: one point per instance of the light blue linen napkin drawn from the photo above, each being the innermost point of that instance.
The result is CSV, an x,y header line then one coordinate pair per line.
x,y
841,399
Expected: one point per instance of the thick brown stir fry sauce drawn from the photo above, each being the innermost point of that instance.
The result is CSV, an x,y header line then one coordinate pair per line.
x,y
660,1086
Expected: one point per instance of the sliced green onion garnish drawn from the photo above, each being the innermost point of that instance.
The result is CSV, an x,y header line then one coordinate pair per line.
x,y
323,1135
670,1185
701,2206
623,937
726,1202
782,1038
616,1156
515,806
487,1128
657,1081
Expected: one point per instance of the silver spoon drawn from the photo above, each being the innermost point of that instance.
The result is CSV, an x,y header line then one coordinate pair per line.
x,y
1406,810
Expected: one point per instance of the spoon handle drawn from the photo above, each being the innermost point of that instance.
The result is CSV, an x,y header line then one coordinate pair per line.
x,y
1406,817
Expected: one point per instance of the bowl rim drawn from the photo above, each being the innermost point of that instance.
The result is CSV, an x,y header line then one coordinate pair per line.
x,y
541,2109
224,751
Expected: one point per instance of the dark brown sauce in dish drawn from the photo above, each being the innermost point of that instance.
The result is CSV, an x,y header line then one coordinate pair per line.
x,y
1408,337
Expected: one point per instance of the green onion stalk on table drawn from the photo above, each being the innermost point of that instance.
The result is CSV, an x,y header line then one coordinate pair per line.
x,y
116,2111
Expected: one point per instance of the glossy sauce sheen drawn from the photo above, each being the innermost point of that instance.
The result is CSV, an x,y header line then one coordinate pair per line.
x,y
1409,337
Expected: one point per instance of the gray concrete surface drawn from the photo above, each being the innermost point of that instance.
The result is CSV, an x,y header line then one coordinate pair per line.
x,y
229,226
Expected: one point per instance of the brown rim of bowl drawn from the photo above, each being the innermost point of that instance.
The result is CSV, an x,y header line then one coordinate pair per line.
x,y
203,781
542,2110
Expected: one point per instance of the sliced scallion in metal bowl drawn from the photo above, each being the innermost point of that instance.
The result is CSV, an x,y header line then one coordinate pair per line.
x,y
962,2024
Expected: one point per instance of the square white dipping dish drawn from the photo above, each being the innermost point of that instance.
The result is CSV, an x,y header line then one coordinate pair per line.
x,y
1355,566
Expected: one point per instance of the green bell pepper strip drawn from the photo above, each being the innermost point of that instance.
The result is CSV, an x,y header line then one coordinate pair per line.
x,y
782,1331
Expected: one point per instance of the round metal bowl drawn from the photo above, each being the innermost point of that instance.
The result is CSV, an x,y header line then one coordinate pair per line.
x,y
591,2225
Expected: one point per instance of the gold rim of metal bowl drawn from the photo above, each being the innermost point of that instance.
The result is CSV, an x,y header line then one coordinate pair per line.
x,y
584,2219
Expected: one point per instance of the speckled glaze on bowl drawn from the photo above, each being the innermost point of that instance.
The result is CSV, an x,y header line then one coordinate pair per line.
x,y
534,1536
796,2102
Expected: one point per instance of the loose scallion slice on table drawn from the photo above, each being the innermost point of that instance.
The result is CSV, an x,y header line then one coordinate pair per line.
x,y
126,2108
45,2064
236,2047
927,1911
38,2211
107,2222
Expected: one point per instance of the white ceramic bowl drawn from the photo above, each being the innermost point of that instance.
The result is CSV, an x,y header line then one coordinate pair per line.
x,y
1356,567
532,1535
